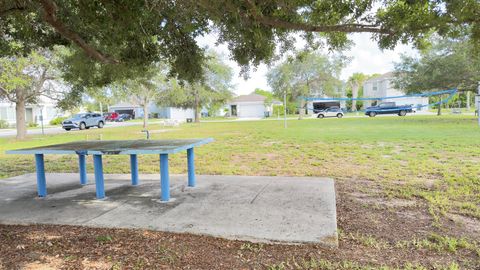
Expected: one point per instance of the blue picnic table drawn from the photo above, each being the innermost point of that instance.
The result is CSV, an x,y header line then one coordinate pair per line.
x,y
116,147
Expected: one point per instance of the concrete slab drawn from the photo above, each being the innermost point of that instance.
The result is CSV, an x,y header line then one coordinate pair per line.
x,y
262,209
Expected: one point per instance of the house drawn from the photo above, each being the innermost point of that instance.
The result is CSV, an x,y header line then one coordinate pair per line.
x,y
135,111
249,106
382,86
45,107
175,113
154,111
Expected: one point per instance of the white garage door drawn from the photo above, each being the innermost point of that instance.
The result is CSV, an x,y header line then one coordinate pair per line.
x,y
253,110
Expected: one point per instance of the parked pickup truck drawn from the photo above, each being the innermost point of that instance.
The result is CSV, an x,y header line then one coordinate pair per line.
x,y
388,108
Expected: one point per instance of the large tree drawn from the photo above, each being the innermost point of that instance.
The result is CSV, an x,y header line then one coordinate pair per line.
x,y
143,91
445,64
25,79
214,88
307,74
113,39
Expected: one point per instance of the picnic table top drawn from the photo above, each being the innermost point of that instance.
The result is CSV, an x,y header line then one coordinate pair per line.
x,y
115,147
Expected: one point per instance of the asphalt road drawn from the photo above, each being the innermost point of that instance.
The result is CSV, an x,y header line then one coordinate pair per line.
x,y
57,130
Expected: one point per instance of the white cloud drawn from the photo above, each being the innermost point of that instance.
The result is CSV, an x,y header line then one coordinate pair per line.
x,y
366,58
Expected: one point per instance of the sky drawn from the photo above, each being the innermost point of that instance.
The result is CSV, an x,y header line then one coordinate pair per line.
x,y
365,56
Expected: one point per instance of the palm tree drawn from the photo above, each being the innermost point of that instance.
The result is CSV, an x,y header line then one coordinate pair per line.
x,y
355,82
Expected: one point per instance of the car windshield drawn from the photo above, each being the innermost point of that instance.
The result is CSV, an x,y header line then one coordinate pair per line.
x,y
79,116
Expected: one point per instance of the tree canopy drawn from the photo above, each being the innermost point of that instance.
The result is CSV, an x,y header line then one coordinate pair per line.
x,y
447,63
112,39
306,74
23,79
213,89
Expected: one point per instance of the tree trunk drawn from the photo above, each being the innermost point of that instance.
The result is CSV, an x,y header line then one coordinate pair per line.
x,y
439,110
197,108
145,115
20,117
302,109
354,96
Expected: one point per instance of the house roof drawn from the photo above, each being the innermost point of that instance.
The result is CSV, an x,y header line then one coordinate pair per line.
x,y
384,76
249,98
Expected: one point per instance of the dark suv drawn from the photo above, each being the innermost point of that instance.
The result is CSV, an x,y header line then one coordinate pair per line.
x,y
84,121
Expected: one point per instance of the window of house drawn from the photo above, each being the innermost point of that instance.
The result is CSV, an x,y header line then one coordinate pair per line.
x,y
375,86
3,113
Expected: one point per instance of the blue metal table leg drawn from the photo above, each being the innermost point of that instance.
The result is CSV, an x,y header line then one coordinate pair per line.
x,y
41,181
99,182
82,166
164,178
191,167
134,169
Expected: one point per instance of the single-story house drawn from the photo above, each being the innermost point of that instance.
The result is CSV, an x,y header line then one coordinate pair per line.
x,y
154,111
135,111
382,86
175,113
45,107
249,106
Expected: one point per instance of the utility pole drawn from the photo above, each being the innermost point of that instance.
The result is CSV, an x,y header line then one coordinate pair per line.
x,y
477,102
468,100
41,119
285,108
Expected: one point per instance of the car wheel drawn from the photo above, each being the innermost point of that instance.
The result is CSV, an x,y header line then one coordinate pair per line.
x,y
67,129
402,113
100,124
372,114
339,115
320,116
82,126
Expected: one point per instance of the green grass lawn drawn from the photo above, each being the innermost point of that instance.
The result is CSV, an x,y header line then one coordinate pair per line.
x,y
434,160
429,157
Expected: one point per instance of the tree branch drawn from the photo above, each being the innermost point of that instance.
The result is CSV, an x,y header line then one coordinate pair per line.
x,y
51,97
6,94
346,28
50,16
11,10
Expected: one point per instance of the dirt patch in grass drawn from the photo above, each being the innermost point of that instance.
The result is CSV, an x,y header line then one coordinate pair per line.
x,y
360,213
468,224
382,202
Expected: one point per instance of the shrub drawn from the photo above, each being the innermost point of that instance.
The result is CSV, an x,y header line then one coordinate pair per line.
x,y
32,124
57,121
4,124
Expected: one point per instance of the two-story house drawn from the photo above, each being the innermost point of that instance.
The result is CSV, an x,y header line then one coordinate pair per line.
x,y
382,86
